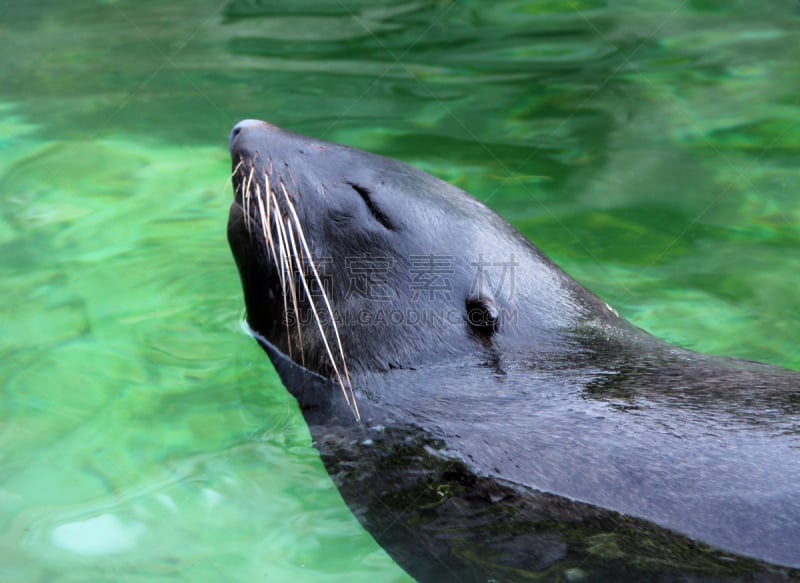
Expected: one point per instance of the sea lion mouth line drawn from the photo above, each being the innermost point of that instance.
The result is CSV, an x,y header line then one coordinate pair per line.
x,y
272,349
267,203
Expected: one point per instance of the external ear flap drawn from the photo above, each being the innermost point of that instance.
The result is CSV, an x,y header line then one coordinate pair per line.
x,y
482,314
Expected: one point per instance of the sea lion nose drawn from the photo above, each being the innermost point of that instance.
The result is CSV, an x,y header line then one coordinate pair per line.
x,y
243,125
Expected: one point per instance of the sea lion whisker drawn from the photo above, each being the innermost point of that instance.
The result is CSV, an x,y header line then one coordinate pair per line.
x,y
271,202
247,194
323,293
284,268
264,222
291,268
235,171
238,187
346,387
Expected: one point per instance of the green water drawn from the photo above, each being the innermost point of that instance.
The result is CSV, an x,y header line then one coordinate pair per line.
x,y
651,148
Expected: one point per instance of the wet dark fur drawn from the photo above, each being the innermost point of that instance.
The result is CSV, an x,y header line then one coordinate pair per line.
x,y
546,439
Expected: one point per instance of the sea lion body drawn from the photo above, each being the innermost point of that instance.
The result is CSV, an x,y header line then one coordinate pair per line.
x,y
484,415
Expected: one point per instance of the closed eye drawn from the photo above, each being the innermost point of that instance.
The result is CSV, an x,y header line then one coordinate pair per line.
x,y
379,215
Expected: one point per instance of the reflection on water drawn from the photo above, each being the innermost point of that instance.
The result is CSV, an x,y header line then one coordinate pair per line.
x,y
653,152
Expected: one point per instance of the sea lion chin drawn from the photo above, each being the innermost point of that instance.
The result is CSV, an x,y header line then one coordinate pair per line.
x,y
483,414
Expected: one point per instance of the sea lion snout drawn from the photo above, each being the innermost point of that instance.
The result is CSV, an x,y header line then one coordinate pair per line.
x,y
245,126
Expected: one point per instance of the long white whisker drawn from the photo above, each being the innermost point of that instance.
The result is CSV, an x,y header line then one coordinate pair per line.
x,y
324,336
237,188
291,254
236,169
284,271
291,269
246,196
271,202
265,215
328,307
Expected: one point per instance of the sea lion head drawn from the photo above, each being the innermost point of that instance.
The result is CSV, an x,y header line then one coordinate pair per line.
x,y
352,260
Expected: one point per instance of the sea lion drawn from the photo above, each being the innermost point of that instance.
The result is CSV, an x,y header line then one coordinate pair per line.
x,y
484,416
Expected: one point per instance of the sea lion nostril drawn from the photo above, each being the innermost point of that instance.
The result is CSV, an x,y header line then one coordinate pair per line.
x,y
234,134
